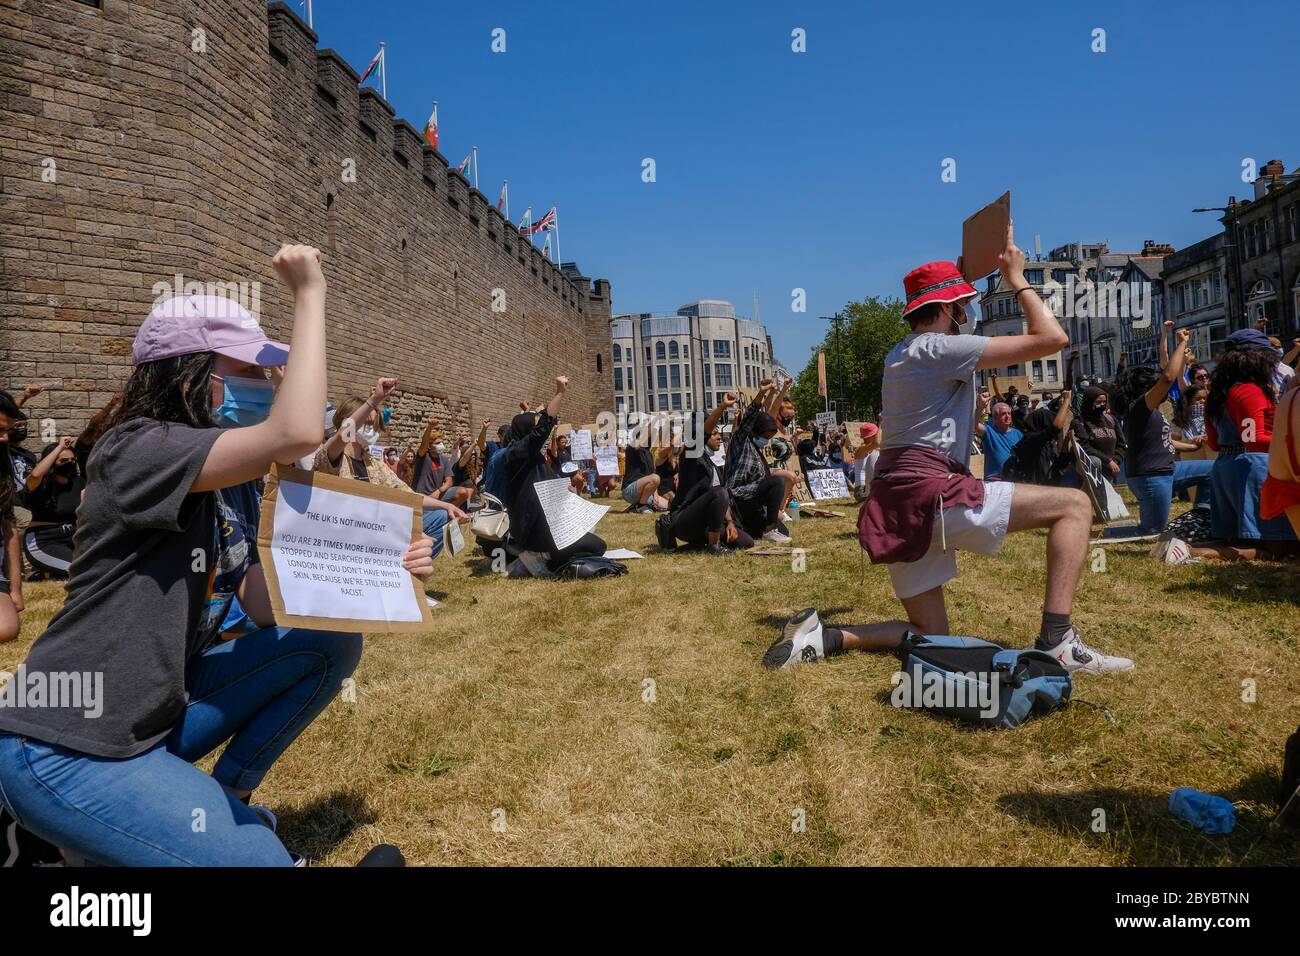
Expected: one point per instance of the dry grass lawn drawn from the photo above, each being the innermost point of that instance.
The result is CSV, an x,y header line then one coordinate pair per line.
x,y
531,706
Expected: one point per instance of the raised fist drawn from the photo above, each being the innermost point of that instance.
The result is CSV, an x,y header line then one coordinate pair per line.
x,y
299,268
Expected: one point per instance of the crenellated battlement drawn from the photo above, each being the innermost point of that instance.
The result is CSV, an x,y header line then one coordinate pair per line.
x,y
293,45
175,158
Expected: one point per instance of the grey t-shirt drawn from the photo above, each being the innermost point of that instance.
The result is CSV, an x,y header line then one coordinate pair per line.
x,y
143,567
928,393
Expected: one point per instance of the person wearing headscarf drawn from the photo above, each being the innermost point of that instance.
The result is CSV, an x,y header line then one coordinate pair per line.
x,y
524,463
1098,433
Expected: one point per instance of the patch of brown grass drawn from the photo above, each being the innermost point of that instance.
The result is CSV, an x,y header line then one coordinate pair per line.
x,y
531,697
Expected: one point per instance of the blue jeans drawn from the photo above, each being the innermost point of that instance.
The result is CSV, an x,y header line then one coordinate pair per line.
x,y
435,520
1155,496
156,808
1194,473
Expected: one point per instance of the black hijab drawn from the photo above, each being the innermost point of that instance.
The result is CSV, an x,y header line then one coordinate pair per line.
x,y
521,425
1090,396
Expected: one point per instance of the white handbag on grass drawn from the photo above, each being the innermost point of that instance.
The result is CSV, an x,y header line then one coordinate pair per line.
x,y
490,523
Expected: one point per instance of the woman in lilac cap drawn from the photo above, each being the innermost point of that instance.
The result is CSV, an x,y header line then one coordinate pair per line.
x,y
131,682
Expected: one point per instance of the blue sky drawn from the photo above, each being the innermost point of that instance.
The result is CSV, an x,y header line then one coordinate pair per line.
x,y
821,170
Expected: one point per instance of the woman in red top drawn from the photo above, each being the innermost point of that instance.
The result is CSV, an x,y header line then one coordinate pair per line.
x,y
1239,422
1281,491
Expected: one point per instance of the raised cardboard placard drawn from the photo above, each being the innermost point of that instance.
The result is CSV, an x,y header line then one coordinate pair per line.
x,y
984,238
332,549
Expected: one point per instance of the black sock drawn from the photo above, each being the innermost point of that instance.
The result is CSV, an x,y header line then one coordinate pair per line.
x,y
1054,629
832,641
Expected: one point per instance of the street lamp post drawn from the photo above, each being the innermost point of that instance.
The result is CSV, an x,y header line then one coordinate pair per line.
x,y
1235,246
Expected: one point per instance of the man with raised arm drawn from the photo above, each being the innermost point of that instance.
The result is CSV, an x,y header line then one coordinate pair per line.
x,y
925,505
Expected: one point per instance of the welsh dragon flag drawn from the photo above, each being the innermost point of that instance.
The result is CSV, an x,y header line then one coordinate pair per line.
x,y
371,68
463,168
431,128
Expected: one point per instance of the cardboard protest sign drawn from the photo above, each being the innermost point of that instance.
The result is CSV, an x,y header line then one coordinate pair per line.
x,y
827,483
854,437
332,551
984,238
1021,384
977,465
826,421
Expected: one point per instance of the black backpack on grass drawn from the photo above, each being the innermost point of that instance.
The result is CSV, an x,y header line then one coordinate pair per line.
x,y
586,567
978,682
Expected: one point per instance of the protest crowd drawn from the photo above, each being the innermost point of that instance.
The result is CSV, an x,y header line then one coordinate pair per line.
x,y
151,517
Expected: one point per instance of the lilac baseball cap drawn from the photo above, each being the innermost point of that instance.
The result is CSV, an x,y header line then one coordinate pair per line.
x,y
186,324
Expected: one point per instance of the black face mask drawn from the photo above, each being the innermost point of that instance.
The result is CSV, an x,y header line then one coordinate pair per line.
x,y
66,470
17,436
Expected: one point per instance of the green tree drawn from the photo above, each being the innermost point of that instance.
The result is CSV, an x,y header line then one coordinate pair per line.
x,y
868,330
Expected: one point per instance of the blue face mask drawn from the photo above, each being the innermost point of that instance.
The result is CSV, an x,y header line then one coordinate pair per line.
x,y
247,400
761,442
388,415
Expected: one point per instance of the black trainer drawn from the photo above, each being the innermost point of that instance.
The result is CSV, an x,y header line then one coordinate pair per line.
x,y
664,533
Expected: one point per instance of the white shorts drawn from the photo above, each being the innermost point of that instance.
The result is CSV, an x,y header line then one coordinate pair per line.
x,y
981,530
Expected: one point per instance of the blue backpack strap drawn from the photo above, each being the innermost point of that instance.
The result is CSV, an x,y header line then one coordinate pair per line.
x,y
1005,662
953,640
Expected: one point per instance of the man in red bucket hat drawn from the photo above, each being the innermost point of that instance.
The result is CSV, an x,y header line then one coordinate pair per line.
x,y
925,505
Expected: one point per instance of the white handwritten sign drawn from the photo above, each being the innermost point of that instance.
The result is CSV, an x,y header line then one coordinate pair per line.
x,y
580,445
607,461
568,516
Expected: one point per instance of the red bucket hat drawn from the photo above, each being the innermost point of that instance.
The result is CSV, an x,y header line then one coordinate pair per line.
x,y
935,282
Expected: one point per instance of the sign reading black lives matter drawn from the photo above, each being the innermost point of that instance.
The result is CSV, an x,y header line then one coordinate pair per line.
x,y
332,551
827,483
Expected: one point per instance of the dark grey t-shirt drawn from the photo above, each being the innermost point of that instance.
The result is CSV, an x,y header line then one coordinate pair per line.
x,y
136,592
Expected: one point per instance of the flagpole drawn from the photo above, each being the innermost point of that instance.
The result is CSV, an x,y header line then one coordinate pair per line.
x,y
310,23
558,260
474,152
505,188
383,69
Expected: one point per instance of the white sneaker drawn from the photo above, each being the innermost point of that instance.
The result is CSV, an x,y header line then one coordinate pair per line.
x,y
1172,551
776,537
801,642
1074,655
